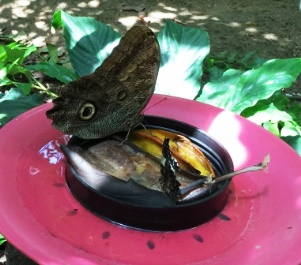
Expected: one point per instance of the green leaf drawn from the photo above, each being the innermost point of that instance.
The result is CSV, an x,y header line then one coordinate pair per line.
x,y
25,88
15,102
294,142
238,90
53,52
279,100
215,74
290,128
16,52
295,112
3,76
3,54
54,70
250,60
272,127
183,50
276,112
215,93
14,75
88,41
2,240
269,113
57,20
18,73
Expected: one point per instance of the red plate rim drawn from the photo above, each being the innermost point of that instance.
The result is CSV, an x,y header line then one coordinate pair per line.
x,y
259,225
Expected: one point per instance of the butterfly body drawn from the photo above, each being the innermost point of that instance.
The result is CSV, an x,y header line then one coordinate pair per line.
x,y
111,99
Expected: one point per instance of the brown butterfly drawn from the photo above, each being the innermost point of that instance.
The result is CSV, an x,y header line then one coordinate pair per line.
x,y
111,99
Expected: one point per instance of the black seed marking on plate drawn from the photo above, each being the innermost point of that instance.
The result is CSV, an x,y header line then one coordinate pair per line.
x,y
198,238
224,217
72,212
150,244
105,235
229,191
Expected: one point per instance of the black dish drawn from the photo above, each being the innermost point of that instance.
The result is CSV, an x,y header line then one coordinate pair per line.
x,y
158,217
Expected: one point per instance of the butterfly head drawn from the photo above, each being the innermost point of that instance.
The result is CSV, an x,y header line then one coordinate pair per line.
x,y
73,116
110,99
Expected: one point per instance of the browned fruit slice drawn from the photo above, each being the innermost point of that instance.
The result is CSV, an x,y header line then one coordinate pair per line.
x,y
189,157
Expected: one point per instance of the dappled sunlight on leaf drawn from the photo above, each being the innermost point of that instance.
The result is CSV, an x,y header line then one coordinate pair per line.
x,y
88,41
245,89
183,50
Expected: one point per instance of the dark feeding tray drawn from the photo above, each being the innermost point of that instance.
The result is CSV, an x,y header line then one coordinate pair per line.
x,y
153,212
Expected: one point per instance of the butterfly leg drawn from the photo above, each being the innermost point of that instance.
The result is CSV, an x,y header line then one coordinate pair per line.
x,y
146,129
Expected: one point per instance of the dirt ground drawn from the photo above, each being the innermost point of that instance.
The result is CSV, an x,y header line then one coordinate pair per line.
x,y
272,27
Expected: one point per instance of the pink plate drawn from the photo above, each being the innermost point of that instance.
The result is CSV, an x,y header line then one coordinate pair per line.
x,y
261,223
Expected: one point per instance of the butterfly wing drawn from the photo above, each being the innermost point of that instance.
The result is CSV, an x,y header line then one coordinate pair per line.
x,y
111,99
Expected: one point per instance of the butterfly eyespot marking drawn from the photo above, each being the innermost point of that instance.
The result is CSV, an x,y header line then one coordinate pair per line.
x,y
86,111
122,95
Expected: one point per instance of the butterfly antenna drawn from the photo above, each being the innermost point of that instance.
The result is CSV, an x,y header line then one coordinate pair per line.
x,y
165,98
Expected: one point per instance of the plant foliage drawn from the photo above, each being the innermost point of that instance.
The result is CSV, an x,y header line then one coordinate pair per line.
x,y
2,240
249,86
19,89
182,49
88,41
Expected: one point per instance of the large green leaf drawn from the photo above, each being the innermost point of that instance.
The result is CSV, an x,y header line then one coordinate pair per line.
x,y
238,90
88,41
216,92
15,102
183,50
54,70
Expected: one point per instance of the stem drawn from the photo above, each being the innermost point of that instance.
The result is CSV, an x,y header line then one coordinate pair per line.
x,y
208,180
39,55
261,166
40,86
